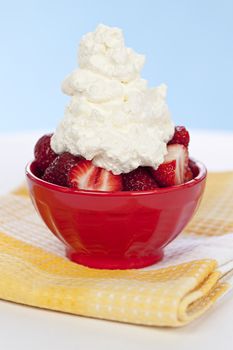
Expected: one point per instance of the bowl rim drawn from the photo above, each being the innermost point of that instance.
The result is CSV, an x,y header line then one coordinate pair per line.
x,y
200,177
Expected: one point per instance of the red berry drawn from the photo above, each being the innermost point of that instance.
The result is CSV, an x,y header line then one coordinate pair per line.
x,y
165,174
58,171
138,180
172,171
181,136
44,155
86,176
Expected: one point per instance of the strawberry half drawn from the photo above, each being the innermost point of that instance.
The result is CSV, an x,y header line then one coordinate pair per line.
x,y
172,171
139,180
181,136
86,176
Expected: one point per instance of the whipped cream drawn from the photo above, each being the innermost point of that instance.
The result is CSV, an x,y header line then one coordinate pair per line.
x,y
113,118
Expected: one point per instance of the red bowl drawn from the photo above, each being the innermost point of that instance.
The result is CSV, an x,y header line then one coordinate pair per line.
x,y
118,230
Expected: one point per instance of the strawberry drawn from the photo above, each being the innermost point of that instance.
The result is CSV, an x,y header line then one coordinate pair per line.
x,y
172,171
57,172
138,180
44,155
188,175
86,176
181,136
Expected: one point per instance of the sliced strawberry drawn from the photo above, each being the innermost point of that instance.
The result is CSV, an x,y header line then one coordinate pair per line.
x,y
188,175
86,176
107,181
181,136
57,172
44,155
138,180
172,171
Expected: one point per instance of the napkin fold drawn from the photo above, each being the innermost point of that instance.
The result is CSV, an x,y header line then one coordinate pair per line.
x,y
196,271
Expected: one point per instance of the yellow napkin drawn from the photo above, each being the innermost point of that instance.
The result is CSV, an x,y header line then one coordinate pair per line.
x,y
196,271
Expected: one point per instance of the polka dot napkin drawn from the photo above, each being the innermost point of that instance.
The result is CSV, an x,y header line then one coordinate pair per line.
x,y
196,271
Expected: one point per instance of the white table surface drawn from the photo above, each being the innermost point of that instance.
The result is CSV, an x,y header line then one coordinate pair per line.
x,y
24,327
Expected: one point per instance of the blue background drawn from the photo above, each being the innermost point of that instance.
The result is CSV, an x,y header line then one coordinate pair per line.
x,y
188,45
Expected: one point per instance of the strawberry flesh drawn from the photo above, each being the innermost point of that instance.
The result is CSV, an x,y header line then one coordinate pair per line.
x,y
172,171
58,171
181,136
138,180
44,155
86,176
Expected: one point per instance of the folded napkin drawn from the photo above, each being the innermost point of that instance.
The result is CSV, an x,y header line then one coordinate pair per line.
x,y
196,271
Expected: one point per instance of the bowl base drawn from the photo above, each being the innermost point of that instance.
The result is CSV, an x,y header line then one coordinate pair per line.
x,y
110,263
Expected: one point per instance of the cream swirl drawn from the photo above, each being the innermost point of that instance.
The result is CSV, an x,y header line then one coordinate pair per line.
x,y
113,118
